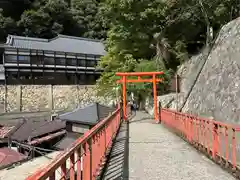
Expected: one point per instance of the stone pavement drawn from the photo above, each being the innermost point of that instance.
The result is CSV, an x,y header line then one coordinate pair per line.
x,y
149,151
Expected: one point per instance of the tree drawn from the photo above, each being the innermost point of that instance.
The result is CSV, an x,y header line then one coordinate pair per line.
x,y
14,8
143,90
86,14
132,26
36,24
162,51
166,33
7,26
50,19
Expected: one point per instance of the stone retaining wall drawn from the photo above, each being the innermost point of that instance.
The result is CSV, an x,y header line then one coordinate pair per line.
x,y
216,92
30,98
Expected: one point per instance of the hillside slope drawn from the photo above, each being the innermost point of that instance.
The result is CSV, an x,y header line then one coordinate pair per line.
x,y
217,92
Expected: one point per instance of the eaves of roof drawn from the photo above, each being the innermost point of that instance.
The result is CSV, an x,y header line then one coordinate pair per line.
x,y
9,156
11,130
81,122
74,37
46,138
61,43
33,129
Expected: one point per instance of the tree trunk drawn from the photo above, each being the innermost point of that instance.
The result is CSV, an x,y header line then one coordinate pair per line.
x,y
142,105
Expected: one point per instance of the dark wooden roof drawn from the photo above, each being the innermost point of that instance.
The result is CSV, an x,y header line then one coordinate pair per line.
x,y
28,129
60,43
67,140
89,115
9,156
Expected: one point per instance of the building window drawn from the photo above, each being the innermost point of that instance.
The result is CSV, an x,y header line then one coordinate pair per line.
x,y
60,61
21,58
1,58
81,62
10,58
49,60
25,59
37,59
90,63
71,62
91,79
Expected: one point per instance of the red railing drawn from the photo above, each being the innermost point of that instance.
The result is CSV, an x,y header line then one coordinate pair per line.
x,y
83,160
219,140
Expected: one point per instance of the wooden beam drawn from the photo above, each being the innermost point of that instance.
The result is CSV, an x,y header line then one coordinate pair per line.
x,y
139,81
138,73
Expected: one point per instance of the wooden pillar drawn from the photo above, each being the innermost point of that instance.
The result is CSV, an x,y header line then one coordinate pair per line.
x,y
50,101
155,98
19,98
124,89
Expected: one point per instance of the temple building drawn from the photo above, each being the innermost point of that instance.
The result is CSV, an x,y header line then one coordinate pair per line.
x,y
63,60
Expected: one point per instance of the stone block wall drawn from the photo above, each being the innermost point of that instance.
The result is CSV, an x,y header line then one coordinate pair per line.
x,y
32,98
217,91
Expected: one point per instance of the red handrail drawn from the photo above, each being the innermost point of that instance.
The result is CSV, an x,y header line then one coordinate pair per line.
x,y
86,155
217,138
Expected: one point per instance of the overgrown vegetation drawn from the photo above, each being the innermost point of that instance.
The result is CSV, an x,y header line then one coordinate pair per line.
x,y
140,35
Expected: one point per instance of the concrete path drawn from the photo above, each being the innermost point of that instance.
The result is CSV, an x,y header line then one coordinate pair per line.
x,y
149,151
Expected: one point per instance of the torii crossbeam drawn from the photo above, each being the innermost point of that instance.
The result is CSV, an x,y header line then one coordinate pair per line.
x,y
153,80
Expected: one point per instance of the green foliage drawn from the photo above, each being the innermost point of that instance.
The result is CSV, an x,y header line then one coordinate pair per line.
x,y
132,24
164,32
86,13
14,8
140,35
144,89
52,18
47,18
35,24
7,25
108,79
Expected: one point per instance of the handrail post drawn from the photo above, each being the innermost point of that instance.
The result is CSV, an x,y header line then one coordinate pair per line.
x,y
215,139
79,164
124,89
105,137
226,144
90,158
155,97
72,164
159,112
234,148
121,110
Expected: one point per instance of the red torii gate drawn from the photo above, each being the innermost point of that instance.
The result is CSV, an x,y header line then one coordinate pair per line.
x,y
153,80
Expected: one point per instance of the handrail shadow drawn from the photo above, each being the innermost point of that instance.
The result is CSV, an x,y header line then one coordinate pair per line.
x,y
117,165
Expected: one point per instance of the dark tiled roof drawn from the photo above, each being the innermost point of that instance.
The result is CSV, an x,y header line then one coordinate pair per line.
x,y
5,130
60,43
47,138
8,128
88,115
103,111
36,128
9,156
67,140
